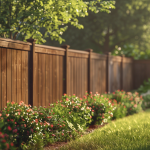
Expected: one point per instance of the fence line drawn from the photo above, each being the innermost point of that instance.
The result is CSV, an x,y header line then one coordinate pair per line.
x,y
39,74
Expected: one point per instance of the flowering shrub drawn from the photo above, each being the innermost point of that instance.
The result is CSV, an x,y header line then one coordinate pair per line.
x,y
101,107
131,101
25,127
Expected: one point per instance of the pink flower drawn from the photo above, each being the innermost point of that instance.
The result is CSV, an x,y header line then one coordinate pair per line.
x,y
0,114
53,134
9,128
67,99
3,141
73,94
31,130
135,105
12,144
62,134
7,145
51,125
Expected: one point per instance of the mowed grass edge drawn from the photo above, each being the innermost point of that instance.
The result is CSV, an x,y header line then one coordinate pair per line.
x,y
129,133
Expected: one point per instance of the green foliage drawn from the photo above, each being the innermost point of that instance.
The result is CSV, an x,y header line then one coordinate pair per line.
x,y
24,18
25,127
131,101
127,24
146,102
130,50
145,87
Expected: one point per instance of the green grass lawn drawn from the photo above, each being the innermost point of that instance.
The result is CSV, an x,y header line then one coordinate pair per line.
x,y
129,133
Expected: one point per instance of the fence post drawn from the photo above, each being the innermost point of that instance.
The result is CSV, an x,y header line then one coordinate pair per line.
x,y
108,72
66,47
31,72
132,74
90,70
121,73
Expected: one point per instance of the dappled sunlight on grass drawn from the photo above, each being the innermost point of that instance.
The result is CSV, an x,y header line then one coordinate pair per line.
x,y
131,132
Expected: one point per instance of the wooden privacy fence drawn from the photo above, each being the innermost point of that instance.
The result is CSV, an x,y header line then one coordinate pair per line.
x,y
39,74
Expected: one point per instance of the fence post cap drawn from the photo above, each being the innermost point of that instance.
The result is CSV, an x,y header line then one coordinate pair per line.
x,y
65,46
89,50
31,40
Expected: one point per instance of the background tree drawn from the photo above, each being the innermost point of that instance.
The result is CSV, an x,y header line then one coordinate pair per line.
x,y
128,23
22,19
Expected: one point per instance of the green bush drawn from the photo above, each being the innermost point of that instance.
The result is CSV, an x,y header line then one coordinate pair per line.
x,y
25,127
145,87
132,101
146,102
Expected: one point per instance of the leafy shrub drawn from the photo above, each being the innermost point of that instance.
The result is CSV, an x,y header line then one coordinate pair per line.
x,y
120,110
132,101
146,102
144,88
101,108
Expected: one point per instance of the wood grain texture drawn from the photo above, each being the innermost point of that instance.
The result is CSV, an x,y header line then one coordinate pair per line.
x,y
43,80
60,77
36,81
9,75
14,76
40,80
57,78
26,78
18,76
47,80
4,77
51,78
54,78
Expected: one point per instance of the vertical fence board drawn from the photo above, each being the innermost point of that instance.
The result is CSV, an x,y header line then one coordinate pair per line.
x,y
71,63
36,81
43,79
82,72
57,78
9,75
54,78
40,80
68,76
47,80
60,77
51,78
14,76
18,76
74,76
26,78
80,79
23,76
3,77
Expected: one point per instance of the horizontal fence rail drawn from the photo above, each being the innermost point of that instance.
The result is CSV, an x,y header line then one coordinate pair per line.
x,y
39,74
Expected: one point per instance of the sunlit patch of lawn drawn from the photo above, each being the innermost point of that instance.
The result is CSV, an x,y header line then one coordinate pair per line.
x,y
129,133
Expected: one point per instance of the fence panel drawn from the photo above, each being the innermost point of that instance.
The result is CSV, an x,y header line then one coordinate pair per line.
x,y
98,73
13,71
127,74
49,75
114,73
141,72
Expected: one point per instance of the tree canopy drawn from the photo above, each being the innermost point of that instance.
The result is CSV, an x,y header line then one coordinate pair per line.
x,y
22,19
128,23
